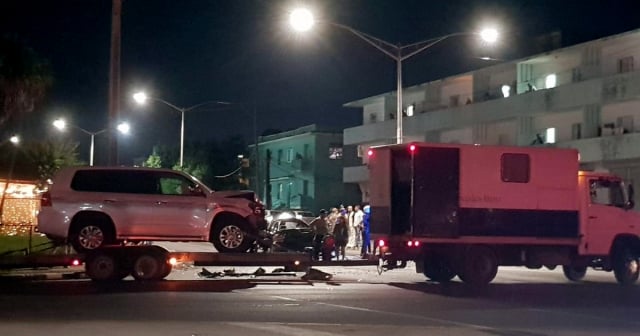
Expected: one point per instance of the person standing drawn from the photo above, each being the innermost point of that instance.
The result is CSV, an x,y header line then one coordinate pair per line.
x,y
320,229
341,236
351,244
358,217
366,237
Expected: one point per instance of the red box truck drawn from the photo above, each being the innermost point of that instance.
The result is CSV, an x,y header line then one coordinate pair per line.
x,y
465,210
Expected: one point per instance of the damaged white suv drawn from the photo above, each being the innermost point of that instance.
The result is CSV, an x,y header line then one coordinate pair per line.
x,y
90,207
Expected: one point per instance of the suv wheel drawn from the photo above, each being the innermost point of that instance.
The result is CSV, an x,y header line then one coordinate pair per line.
x,y
230,237
89,237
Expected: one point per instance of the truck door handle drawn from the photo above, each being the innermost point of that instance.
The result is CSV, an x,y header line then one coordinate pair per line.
x,y
593,217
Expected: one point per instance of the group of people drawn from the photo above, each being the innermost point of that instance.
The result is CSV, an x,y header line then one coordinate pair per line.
x,y
350,227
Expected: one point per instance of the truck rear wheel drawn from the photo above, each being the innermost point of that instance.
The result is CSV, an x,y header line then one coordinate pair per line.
x,y
102,267
151,264
437,269
625,266
480,266
574,273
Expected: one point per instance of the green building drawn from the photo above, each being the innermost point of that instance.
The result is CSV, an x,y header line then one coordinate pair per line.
x,y
302,169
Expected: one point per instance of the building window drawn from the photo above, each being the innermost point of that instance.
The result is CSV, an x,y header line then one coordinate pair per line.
x,y
454,101
551,81
306,151
514,168
625,64
289,156
576,74
280,189
335,152
550,135
625,124
373,117
576,131
279,156
305,188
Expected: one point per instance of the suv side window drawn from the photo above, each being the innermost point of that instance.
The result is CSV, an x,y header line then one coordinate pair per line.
x,y
175,184
115,181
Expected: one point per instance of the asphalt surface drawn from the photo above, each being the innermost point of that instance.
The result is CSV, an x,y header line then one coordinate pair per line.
x,y
356,301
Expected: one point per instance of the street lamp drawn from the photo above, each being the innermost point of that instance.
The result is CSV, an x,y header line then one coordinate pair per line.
x,y
302,20
61,124
141,98
15,139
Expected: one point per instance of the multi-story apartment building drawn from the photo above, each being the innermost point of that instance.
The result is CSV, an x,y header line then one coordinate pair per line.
x,y
585,96
304,169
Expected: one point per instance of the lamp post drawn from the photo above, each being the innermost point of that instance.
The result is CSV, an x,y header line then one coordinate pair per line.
x,y
61,124
302,20
141,98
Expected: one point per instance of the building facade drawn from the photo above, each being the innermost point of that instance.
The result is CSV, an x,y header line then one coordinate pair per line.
x,y
304,170
585,96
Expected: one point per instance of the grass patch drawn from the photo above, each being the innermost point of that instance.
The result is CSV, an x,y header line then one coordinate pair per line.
x,y
21,243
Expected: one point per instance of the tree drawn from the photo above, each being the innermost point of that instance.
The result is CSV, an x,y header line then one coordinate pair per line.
x,y
154,160
49,156
24,79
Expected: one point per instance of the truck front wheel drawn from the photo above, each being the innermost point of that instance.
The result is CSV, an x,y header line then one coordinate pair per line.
x,y
625,266
574,273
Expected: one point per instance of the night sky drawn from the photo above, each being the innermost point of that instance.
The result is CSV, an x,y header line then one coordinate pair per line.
x,y
191,51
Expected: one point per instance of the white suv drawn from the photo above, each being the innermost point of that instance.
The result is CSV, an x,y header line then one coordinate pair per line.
x,y
92,206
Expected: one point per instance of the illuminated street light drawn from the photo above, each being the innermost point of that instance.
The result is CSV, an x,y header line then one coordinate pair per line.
x,y
14,139
302,20
61,125
141,98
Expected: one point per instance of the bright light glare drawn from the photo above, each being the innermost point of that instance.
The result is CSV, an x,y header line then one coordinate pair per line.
x,y
550,81
60,124
301,19
489,35
506,91
124,128
173,261
14,139
140,97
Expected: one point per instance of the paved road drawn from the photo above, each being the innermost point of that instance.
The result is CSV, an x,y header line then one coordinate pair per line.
x,y
356,302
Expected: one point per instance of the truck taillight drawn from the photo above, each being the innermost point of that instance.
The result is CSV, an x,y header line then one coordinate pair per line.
x,y
413,243
370,152
45,199
381,243
412,148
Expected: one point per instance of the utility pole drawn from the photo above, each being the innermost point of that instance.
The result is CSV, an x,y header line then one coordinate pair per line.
x,y
267,179
114,80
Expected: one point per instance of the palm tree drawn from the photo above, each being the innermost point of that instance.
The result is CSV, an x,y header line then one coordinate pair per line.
x,y
24,79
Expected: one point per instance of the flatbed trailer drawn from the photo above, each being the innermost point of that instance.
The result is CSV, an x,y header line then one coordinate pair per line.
x,y
149,263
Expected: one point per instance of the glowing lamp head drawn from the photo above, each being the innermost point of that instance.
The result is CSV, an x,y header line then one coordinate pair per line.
x,y
412,148
301,19
381,243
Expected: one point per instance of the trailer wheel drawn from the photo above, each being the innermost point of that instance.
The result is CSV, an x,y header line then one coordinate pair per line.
x,y
437,269
102,267
625,266
574,273
480,266
148,266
